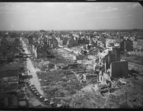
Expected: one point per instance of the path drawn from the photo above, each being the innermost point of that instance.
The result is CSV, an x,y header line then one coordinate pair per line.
x,y
32,71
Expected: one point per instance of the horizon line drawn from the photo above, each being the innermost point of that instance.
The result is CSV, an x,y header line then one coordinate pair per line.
x,y
72,29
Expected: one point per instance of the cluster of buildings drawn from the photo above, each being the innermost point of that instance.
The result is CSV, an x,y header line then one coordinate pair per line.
x,y
90,41
106,46
12,88
10,69
127,40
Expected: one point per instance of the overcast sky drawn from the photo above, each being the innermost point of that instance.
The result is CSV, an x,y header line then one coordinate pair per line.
x,y
68,16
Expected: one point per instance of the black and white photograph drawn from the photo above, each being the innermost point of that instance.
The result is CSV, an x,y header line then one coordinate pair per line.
x,y
71,55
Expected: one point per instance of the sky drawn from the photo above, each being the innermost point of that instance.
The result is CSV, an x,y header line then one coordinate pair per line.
x,y
71,16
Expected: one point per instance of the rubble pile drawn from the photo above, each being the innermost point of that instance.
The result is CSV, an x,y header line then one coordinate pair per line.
x,y
46,65
127,95
88,99
123,95
58,83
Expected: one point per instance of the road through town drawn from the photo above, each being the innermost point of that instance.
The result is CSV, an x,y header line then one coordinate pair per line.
x,y
32,70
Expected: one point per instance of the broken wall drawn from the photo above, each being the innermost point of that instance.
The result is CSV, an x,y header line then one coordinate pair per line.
x,y
41,53
119,69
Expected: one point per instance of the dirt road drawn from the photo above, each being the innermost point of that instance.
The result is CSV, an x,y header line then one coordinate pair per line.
x,y
32,71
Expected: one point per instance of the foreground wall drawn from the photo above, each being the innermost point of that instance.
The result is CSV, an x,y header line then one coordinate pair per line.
x,y
119,69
